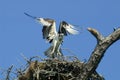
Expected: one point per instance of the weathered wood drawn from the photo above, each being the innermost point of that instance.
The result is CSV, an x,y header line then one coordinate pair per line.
x,y
103,43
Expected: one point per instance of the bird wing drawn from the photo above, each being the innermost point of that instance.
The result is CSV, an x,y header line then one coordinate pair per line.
x,y
45,31
49,29
67,28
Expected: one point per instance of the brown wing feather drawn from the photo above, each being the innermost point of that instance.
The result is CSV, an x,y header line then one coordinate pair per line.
x,y
46,31
62,29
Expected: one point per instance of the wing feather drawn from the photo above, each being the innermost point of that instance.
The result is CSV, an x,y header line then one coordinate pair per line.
x,y
45,32
67,28
62,29
49,29
44,21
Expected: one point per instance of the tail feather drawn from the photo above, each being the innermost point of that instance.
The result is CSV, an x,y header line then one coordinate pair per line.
x,y
48,52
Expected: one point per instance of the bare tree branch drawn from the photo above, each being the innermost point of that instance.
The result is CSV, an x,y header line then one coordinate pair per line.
x,y
96,34
8,73
103,44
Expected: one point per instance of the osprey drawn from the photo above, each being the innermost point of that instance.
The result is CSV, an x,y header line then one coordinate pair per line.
x,y
52,36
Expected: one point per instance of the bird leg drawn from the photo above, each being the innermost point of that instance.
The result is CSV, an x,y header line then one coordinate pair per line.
x,y
60,54
58,51
53,49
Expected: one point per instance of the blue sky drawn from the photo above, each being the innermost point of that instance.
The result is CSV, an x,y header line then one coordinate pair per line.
x,y
20,34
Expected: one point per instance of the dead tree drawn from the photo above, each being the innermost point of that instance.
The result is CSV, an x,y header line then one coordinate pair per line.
x,y
53,69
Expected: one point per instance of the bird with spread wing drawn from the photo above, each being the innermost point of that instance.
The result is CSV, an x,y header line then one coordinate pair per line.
x,y
52,36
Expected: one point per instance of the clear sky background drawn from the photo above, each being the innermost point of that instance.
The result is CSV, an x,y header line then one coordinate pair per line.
x,y
21,34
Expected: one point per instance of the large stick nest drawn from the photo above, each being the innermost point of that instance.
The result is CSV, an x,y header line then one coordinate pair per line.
x,y
54,70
